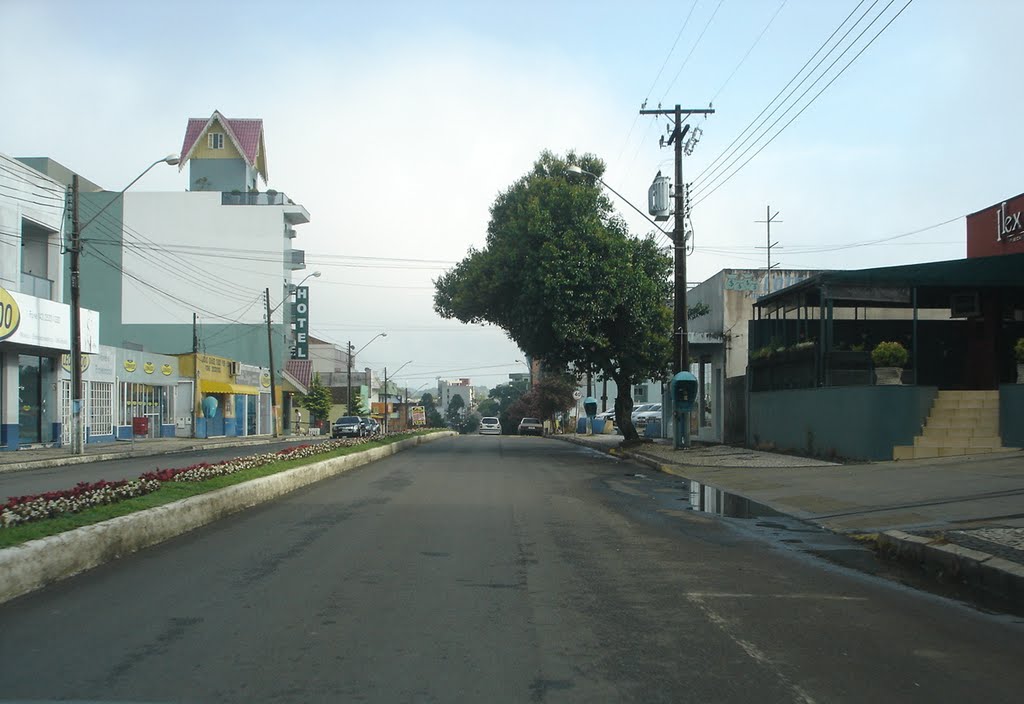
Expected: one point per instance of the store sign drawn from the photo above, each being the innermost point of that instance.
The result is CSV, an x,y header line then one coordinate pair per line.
x,y
419,416
1009,226
301,318
65,362
10,315
45,323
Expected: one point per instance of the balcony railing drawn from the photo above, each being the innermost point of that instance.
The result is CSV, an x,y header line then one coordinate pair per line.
x,y
36,286
268,198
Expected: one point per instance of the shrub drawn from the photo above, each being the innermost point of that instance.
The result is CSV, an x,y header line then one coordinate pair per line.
x,y
889,354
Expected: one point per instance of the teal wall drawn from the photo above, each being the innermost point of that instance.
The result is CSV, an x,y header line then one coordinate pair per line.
x,y
856,422
1011,414
242,343
99,264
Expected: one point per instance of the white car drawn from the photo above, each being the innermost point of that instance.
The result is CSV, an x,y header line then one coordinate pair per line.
x,y
642,418
490,426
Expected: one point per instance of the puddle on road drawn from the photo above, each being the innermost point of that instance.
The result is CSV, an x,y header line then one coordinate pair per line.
x,y
708,499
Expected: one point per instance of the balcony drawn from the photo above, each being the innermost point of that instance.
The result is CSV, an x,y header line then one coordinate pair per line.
x,y
294,214
36,286
296,259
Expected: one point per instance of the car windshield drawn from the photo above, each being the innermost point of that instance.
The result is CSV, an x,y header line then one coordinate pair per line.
x,y
348,419
489,421
531,421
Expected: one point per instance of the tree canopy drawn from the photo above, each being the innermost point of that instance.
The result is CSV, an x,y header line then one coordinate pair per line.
x,y
560,273
318,400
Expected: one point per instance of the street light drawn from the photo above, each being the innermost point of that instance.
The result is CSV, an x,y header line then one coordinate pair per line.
x,y
348,351
386,391
681,341
76,298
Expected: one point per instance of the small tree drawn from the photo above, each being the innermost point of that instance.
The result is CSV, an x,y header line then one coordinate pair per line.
x,y
434,419
357,407
456,409
488,407
318,400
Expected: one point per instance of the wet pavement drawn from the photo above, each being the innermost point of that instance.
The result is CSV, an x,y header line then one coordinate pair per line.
x,y
975,504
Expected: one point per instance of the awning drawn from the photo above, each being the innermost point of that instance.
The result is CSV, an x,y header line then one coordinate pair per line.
x,y
291,384
222,387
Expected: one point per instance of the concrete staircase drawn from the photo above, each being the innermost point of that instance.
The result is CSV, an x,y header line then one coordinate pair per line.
x,y
960,423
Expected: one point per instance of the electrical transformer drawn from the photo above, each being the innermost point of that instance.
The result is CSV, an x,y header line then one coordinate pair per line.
x,y
659,198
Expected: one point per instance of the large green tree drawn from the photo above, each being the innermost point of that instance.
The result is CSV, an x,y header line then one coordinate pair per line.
x,y
561,274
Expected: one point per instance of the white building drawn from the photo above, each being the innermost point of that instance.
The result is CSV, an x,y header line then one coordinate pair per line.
x,y
35,327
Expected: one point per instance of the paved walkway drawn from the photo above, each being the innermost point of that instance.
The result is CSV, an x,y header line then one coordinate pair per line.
x,y
975,504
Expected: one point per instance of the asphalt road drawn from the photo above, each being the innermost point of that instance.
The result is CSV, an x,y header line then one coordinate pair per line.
x,y
37,481
498,569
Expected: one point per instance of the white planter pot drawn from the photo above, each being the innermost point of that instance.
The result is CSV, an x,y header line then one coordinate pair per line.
x,y
1020,372
888,376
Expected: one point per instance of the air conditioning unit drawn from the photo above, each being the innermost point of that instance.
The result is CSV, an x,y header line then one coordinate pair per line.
x,y
233,368
965,305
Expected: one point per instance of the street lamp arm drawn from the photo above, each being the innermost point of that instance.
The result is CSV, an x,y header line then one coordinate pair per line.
x,y
170,159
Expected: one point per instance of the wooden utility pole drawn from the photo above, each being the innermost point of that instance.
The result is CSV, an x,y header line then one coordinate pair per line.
x,y
680,358
77,397
270,359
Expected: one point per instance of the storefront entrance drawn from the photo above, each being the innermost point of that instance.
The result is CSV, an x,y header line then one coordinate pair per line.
x,y
36,400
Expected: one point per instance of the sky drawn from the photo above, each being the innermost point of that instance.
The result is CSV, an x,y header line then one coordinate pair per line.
x,y
397,124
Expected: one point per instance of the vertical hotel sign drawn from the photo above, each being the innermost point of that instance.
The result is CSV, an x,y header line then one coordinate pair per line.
x,y
301,318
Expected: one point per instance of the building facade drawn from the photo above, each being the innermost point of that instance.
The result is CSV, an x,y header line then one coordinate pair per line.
x,y
35,326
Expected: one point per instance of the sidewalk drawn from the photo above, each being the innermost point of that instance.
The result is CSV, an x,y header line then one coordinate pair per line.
x,y
98,452
964,515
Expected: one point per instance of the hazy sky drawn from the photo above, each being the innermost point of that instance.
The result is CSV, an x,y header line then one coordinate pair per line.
x,y
395,124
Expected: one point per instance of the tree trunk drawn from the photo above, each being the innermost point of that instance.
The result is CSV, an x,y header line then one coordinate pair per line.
x,y
623,409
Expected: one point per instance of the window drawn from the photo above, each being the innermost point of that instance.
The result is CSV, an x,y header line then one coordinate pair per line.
x,y
640,393
215,140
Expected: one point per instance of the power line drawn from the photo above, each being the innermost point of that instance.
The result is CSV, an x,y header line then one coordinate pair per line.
x,y
816,95
692,49
746,55
777,95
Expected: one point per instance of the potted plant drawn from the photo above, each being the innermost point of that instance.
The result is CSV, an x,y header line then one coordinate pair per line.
x,y
1018,353
889,358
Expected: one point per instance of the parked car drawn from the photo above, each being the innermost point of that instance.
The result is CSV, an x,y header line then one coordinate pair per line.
x,y
639,409
531,426
371,426
348,427
644,417
489,426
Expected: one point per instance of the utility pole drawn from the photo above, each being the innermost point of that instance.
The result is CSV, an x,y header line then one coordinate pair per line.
x,y
270,359
385,400
769,219
348,397
195,370
680,360
76,325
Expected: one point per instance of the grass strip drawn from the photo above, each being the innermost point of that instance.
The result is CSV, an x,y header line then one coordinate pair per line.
x,y
173,491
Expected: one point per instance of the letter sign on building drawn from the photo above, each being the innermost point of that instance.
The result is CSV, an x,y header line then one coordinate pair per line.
x,y
301,318
10,315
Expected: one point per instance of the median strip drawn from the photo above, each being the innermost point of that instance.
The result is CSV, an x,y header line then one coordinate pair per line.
x,y
36,563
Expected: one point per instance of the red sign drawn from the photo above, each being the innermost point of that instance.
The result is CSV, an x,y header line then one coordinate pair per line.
x,y
998,229
140,425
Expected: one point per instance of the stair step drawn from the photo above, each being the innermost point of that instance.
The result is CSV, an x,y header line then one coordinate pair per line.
x,y
948,441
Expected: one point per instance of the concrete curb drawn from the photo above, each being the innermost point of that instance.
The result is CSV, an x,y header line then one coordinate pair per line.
x,y
126,454
37,563
993,574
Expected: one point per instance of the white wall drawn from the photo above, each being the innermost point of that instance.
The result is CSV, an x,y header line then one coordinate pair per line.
x,y
238,247
26,193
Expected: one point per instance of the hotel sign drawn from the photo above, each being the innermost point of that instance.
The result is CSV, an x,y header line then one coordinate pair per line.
x,y
301,318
